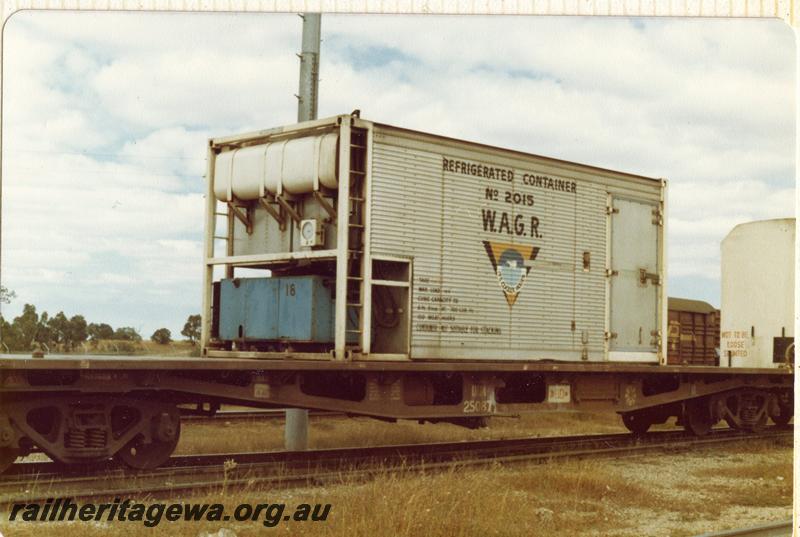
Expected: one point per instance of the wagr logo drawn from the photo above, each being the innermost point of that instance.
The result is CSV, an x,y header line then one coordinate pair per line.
x,y
511,263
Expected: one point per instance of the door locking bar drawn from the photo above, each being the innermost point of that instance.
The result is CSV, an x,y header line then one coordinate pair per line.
x,y
644,276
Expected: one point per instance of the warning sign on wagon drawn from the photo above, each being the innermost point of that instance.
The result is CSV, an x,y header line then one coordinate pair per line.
x,y
735,342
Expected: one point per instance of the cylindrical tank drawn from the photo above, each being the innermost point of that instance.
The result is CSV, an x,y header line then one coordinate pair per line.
x,y
297,166
757,328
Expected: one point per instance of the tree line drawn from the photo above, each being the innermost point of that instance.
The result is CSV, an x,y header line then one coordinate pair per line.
x,y
31,330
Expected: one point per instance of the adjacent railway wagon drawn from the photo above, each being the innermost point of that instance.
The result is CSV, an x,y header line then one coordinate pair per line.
x,y
373,270
693,335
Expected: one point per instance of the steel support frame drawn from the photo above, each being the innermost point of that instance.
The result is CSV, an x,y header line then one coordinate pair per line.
x,y
229,260
400,394
339,216
210,229
342,241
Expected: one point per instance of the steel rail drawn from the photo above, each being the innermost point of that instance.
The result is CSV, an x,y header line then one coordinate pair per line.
x,y
27,482
495,446
772,529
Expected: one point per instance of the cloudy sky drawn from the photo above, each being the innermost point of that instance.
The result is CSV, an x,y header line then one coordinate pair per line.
x,y
105,118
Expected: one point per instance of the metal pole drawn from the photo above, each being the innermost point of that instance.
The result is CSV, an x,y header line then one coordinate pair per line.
x,y
309,68
296,429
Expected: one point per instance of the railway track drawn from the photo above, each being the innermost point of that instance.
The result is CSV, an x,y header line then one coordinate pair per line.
x,y
37,481
772,529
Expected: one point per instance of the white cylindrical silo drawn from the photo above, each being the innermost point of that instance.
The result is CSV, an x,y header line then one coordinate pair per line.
x,y
757,326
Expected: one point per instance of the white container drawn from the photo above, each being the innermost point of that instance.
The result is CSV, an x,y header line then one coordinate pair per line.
x,y
498,240
487,253
757,325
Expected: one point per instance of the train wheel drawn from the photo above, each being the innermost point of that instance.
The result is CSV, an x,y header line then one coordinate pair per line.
x,y
748,410
697,417
782,419
143,455
7,457
782,411
754,410
637,422
757,425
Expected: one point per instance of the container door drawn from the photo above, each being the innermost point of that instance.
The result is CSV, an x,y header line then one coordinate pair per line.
x,y
634,279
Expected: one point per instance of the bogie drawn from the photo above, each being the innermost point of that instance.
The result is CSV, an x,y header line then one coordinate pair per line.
x,y
90,429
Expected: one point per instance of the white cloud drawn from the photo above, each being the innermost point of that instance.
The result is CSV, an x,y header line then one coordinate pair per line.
x,y
174,150
104,145
215,87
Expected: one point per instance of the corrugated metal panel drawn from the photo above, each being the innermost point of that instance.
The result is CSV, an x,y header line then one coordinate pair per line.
x,y
693,335
590,287
615,182
426,207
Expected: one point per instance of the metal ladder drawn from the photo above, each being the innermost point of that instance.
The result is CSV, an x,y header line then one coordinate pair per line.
x,y
356,222
228,237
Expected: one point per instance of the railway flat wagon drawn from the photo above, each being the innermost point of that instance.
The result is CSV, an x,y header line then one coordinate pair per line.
x,y
362,268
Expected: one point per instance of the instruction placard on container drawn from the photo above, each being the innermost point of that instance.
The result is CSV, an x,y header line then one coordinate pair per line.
x,y
558,393
735,342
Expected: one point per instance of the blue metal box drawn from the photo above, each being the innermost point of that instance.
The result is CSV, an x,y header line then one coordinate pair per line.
x,y
248,309
293,308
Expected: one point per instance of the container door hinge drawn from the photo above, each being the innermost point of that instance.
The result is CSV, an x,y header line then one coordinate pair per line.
x,y
609,335
658,217
655,338
611,210
610,272
644,276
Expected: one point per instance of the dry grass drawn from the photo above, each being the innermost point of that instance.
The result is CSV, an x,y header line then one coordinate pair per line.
x,y
658,495
777,472
139,348
328,432
623,498
539,500
754,485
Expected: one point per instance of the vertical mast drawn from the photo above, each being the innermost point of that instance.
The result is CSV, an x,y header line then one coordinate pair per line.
x,y
309,68
296,430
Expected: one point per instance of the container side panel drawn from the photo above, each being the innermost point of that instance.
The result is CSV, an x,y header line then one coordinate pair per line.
x,y
261,308
509,260
590,279
407,221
